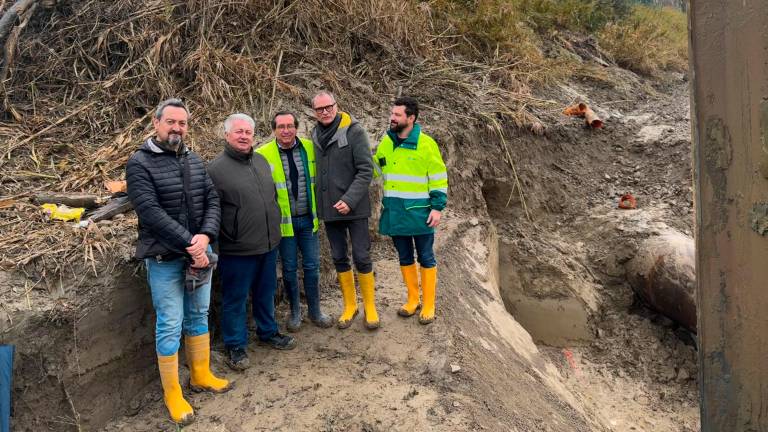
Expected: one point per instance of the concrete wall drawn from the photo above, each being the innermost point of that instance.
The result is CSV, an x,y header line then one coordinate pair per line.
x,y
729,41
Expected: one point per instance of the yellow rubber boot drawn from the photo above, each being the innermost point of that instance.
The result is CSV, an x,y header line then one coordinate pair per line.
x,y
411,279
367,290
179,409
428,286
198,349
349,294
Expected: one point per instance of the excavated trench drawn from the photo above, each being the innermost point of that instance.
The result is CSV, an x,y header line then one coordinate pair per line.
x,y
78,365
540,295
565,280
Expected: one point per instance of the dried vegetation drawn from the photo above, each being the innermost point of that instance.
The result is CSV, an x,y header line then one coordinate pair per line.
x,y
79,90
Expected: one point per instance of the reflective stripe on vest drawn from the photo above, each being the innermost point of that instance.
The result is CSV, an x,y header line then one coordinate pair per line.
x,y
409,173
406,195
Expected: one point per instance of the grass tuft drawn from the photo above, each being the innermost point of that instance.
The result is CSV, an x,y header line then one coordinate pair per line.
x,y
648,40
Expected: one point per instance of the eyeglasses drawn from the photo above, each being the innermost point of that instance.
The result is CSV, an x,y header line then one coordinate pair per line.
x,y
323,109
286,127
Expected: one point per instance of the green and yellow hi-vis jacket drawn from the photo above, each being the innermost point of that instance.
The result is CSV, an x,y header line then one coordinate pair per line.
x,y
271,153
415,183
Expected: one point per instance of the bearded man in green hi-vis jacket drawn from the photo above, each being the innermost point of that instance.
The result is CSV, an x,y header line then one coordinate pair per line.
x,y
415,194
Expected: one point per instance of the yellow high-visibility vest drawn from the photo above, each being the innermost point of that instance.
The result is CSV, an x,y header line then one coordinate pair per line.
x,y
271,153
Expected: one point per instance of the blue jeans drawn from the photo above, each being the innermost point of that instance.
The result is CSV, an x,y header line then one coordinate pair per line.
x,y
306,241
423,243
239,275
177,310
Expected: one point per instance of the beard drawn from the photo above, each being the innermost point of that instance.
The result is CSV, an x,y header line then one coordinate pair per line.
x,y
172,143
397,127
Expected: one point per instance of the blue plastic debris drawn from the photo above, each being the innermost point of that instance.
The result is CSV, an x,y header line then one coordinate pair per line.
x,y
6,382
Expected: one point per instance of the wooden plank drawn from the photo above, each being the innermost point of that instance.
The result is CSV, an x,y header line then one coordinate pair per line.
x,y
68,199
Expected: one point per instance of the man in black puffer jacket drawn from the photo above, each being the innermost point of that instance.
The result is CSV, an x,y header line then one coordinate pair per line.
x,y
178,211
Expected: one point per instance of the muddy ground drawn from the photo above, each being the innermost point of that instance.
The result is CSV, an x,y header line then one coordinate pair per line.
x,y
629,363
402,377
543,239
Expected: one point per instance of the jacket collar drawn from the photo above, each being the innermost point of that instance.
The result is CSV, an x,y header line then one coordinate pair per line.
x,y
151,146
236,155
346,121
411,142
296,142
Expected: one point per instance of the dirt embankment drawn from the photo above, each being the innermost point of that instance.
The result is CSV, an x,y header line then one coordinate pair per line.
x,y
532,229
77,361
609,364
616,365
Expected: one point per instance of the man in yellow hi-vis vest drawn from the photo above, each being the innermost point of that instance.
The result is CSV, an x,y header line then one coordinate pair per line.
x,y
415,194
293,169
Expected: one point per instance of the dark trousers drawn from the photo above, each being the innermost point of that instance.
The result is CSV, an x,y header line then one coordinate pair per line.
x,y
256,274
423,243
361,244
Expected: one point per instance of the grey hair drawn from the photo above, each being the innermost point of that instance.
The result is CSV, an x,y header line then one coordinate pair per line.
x,y
239,116
174,102
322,93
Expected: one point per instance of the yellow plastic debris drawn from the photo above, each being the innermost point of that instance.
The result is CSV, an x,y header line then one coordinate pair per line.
x,y
62,212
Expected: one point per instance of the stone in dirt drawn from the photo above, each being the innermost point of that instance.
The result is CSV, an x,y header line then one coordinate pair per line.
x,y
668,374
683,375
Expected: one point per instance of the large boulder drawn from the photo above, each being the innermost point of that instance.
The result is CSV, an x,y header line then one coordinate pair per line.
x,y
663,273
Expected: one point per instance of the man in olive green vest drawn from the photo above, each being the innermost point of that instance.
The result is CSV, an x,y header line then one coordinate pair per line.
x,y
293,170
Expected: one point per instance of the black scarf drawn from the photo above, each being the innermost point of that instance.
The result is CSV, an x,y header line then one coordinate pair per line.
x,y
325,133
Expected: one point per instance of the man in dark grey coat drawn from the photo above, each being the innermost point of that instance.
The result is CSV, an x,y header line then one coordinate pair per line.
x,y
344,173
248,241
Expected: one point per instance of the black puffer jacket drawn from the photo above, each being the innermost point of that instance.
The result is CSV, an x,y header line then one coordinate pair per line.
x,y
156,189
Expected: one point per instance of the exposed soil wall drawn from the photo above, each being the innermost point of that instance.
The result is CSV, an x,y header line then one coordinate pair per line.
x,y
79,363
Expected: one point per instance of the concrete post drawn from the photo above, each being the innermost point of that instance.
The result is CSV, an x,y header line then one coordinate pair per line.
x,y
729,66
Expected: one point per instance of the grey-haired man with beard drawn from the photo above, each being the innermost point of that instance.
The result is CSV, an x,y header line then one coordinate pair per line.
x,y
178,211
